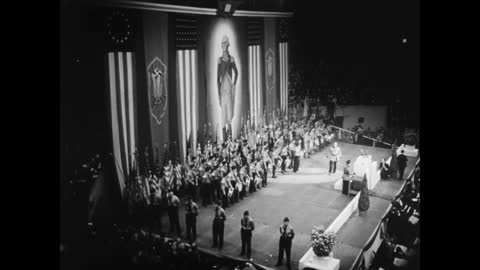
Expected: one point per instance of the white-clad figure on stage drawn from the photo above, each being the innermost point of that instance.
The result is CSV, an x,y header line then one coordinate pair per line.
x,y
334,155
226,83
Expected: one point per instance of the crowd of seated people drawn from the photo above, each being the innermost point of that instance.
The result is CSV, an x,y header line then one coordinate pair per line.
x,y
400,248
341,95
358,134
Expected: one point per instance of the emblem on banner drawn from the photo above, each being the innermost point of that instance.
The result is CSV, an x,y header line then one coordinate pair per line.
x,y
270,66
157,89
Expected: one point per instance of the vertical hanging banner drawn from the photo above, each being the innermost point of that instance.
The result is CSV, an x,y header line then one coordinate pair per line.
x,y
256,90
223,74
186,83
155,25
283,57
122,88
270,66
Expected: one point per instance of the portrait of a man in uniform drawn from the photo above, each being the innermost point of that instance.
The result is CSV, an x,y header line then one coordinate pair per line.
x,y
227,75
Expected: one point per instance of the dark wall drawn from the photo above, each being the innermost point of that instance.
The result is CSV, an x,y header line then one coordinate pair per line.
x,y
83,100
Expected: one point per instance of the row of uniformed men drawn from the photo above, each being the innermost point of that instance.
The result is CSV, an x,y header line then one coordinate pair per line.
x,y
218,225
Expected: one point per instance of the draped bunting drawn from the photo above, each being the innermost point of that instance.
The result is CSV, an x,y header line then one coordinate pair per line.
x,y
255,35
283,56
123,112
187,83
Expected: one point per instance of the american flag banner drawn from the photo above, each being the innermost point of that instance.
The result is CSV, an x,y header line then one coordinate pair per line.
x,y
255,35
186,44
121,84
283,55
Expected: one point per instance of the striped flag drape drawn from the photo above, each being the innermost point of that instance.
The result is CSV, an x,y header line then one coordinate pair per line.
x,y
187,83
283,56
121,76
255,29
283,49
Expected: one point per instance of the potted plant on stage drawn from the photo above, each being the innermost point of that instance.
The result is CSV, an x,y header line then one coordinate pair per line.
x,y
323,242
364,200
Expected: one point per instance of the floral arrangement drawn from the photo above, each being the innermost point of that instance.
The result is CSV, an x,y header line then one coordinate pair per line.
x,y
322,242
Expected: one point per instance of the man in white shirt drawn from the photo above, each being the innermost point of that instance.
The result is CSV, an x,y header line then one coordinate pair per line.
x,y
173,203
335,154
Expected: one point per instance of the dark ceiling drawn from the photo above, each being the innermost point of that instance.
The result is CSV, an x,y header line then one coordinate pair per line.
x,y
361,43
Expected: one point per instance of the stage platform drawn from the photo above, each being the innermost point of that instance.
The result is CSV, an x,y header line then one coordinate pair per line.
x,y
306,197
354,234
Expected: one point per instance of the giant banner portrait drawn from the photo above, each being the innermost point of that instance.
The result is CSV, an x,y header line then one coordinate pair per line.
x,y
223,62
271,59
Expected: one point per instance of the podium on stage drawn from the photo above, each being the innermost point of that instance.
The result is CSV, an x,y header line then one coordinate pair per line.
x,y
364,165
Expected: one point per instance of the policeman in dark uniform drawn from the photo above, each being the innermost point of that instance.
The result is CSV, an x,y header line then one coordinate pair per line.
x,y
246,233
347,177
285,244
191,213
216,184
284,155
206,187
218,225
401,164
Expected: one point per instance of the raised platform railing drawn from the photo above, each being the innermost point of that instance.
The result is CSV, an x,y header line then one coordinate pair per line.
x,y
352,137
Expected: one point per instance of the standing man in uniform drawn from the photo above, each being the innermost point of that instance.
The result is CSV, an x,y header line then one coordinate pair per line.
x,y
191,213
206,194
335,154
401,164
284,154
275,162
285,244
246,233
173,203
292,147
218,225
347,176
296,160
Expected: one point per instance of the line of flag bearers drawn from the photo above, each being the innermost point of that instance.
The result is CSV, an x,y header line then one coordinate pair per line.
x,y
226,173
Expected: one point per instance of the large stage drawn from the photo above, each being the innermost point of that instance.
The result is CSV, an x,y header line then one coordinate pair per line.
x,y
306,197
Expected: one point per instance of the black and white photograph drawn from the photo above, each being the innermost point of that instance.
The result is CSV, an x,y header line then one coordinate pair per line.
x,y
239,135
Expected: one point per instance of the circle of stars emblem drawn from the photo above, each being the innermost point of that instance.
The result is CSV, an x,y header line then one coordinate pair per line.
x,y
118,27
